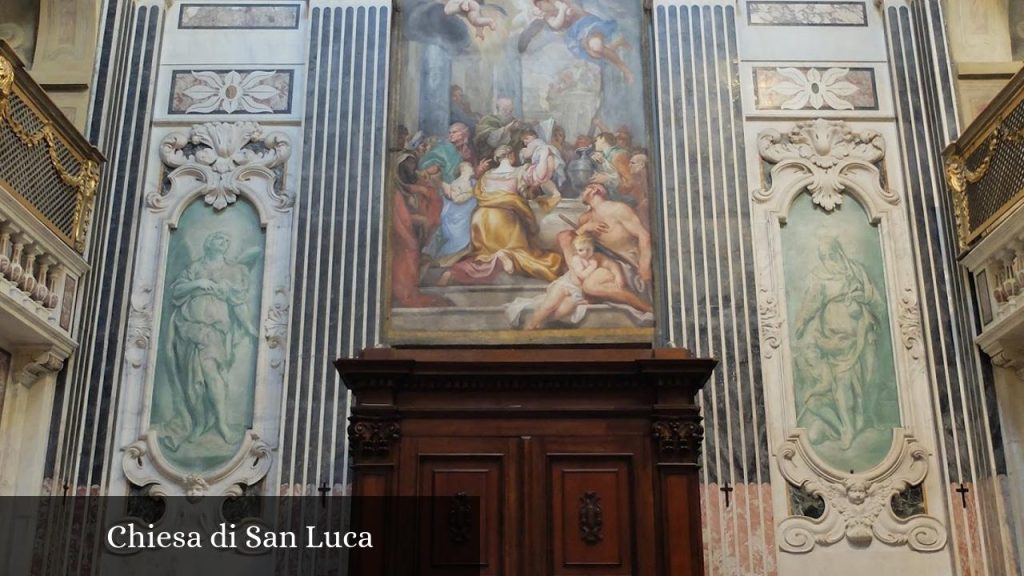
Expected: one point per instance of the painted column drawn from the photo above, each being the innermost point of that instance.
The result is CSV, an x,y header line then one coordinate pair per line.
x,y
435,79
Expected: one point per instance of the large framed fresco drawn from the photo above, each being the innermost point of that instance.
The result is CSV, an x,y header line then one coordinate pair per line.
x,y
518,180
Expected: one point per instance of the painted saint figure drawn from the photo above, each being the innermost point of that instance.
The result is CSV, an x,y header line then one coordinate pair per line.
x,y
443,164
504,230
209,321
837,331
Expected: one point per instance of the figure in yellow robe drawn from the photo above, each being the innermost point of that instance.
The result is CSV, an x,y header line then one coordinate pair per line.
x,y
503,232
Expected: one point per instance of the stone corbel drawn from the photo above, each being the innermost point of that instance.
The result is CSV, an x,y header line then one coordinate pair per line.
x,y
1010,360
31,366
858,506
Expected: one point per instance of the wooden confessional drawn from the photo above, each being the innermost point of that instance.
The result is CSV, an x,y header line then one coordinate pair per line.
x,y
578,461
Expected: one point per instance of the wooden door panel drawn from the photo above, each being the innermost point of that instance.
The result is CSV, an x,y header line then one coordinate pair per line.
x,y
591,514
463,524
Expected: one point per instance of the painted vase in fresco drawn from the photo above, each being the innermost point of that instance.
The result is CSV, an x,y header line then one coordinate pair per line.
x,y
844,373
580,170
206,364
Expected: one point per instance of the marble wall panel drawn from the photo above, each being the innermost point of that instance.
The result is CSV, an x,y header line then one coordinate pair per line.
x,y
709,298
1017,29
807,14
978,30
809,32
239,16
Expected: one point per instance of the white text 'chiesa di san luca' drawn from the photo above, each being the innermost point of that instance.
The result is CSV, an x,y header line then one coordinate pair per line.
x,y
512,287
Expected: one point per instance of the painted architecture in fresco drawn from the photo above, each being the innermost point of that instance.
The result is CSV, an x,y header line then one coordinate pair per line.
x,y
518,178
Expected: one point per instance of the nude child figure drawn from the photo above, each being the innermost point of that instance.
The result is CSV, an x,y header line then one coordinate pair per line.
x,y
471,11
566,293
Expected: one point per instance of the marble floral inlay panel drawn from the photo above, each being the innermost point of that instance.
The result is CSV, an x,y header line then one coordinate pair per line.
x,y
807,14
815,89
231,91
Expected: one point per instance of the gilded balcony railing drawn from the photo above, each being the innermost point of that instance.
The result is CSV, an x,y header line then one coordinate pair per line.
x,y
48,179
985,166
45,163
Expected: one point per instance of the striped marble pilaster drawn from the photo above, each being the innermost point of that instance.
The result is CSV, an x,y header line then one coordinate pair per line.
x,y
970,441
80,442
119,126
709,302
338,256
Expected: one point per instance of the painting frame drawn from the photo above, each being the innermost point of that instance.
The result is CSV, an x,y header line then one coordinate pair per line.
x,y
394,335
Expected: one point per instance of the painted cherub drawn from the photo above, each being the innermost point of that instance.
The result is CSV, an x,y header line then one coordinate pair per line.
x,y
472,11
565,294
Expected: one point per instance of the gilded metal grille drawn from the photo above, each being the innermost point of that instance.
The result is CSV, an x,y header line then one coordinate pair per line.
x,y
1004,179
29,171
985,167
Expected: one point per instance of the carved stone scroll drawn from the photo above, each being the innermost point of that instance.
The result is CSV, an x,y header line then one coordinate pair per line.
x,y
857,507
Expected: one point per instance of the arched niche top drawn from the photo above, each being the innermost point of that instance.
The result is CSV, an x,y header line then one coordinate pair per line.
x,y
828,160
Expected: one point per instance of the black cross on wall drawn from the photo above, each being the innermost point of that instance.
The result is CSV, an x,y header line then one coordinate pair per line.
x,y
728,490
963,490
323,490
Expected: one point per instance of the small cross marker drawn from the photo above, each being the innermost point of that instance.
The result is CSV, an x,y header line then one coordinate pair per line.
x,y
728,490
323,490
962,490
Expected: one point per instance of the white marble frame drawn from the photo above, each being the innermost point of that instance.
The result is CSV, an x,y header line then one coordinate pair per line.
x,y
847,509
142,464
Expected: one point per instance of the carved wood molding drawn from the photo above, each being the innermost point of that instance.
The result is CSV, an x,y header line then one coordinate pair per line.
x,y
372,438
591,518
678,439
460,518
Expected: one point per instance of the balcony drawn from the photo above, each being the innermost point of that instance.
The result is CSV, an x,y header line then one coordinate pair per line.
x,y
985,170
48,179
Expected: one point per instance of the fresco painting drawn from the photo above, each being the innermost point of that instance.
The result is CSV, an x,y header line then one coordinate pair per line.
x,y
206,361
840,335
518,183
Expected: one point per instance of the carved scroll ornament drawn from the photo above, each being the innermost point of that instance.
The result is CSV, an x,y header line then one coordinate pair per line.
x,y
225,158
826,157
144,466
858,506
372,438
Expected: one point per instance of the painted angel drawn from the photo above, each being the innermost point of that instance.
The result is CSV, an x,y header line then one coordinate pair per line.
x,y
587,36
472,11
